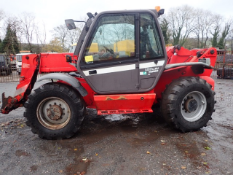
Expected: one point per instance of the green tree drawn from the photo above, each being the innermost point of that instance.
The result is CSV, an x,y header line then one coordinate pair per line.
x,y
10,43
1,50
221,43
181,21
165,30
215,36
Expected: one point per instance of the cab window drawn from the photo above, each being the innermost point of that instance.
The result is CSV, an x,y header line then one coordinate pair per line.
x,y
113,39
150,42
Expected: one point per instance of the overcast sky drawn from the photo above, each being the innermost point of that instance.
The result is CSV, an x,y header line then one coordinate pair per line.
x,y
53,12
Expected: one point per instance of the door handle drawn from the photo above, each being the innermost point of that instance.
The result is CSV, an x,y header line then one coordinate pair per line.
x,y
92,72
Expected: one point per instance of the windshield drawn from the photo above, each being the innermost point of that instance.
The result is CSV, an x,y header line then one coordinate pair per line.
x,y
113,39
19,58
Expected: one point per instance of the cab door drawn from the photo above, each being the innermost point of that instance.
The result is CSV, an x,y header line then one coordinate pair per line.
x,y
123,52
109,59
152,58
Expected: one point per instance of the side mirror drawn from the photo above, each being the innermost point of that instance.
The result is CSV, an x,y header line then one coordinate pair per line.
x,y
90,15
70,24
161,12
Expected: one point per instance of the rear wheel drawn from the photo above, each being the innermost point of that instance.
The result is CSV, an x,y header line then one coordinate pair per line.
x,y
54,111
188,103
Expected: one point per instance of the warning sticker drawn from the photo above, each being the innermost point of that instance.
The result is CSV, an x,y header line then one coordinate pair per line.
x,y
89,59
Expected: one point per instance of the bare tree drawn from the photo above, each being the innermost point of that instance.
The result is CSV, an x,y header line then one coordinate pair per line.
x,y
73,35
28,25
2,15
67,37
40,37
203,25
181,20
60,32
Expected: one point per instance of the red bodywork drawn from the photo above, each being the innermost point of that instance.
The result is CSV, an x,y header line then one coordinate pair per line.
x,y
31,65
184,55
109,104
56,62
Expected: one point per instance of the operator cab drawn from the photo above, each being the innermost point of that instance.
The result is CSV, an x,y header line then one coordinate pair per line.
x,y
123,51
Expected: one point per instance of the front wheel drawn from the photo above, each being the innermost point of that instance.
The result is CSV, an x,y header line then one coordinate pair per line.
x,y
188,103
54,111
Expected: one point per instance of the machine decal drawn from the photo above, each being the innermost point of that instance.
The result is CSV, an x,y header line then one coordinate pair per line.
x,y
151,64
25,65
119,98
143,73
111,69
152,70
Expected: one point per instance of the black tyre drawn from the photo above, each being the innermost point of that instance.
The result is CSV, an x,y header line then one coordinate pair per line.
x,y
188,103
54,111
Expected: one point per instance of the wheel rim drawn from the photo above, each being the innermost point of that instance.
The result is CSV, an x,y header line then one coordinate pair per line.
x,y
53,113
193,106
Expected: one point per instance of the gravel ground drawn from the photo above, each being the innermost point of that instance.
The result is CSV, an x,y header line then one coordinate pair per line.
x,y
121,144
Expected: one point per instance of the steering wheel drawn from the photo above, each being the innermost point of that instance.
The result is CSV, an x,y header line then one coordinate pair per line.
x,y
109,50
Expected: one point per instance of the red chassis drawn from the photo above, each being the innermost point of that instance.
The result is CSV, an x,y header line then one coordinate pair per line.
x,y
109,104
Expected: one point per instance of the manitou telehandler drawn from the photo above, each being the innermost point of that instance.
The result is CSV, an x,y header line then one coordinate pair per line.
x,y
129,71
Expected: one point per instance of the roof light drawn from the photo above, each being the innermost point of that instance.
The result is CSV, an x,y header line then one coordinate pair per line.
x,y
157,8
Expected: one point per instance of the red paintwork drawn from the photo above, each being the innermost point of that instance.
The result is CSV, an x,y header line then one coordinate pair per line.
x,y
89,99
117,103
56,62
184,55
124,103
29,65
49,62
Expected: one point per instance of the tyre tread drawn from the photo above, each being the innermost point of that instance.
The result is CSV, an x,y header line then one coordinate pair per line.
x,y
60,88
171,95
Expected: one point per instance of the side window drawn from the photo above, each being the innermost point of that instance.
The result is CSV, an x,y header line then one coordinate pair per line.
x,y
113,39
150,42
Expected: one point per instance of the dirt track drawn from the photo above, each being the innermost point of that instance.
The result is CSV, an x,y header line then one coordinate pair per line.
x,y
121,144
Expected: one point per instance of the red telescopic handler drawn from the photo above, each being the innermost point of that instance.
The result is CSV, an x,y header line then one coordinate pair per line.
x,y
122,67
